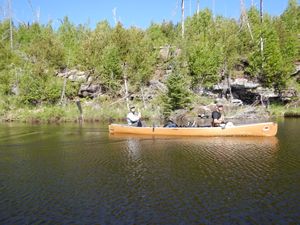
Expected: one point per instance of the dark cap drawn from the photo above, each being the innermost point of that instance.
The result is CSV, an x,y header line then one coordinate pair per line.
x,y
132,107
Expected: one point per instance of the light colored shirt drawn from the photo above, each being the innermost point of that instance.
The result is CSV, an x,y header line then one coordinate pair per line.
x,y
133,118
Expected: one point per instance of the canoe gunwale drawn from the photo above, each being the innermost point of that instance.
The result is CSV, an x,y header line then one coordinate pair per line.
x,y
257,129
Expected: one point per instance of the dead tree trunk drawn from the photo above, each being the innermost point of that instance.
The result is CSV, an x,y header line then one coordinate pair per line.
x,y
62,96
229,86
114,11
213,6
261,24
143,97
126,91
126,85
244,18
10,24
80,111
198,7
182,18
35,14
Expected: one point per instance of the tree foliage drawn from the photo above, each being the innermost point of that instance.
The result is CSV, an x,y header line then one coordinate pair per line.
x,y
205,65
211,45
178,91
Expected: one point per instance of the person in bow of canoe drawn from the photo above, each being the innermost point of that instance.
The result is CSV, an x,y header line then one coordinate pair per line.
x,y
134,118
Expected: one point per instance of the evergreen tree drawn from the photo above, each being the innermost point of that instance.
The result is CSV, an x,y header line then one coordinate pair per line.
x,y
288,29
4,33
120,38
140,59
110,71
204,64
5,75
225,36
199,26
268,66
71,38
156,35
27,33
93,45
246,46
210,45
178,94
46,50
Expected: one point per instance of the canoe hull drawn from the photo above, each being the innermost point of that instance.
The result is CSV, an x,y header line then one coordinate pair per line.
x,y
259,129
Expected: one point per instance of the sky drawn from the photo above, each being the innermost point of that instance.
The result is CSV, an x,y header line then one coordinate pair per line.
x,y
136,13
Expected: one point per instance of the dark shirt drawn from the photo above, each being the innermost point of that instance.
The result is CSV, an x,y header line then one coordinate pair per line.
x,y
170,124
216,115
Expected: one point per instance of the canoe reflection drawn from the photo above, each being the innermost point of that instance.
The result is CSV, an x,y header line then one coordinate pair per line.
x,y
271,141
221,148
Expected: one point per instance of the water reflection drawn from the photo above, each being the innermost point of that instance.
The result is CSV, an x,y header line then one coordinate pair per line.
x,y
230,145
216,176
134,148
258,150
82,175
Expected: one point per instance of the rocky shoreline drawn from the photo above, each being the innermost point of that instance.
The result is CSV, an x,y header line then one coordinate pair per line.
x,y
239,91
198,115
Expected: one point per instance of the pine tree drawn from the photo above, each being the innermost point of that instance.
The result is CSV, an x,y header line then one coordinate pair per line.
x,y
5,60
204,64
273,72
269,67
288,30
140,58
70,37
110,71
178,95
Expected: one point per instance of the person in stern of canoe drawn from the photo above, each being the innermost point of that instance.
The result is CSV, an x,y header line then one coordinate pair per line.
x,y
217,117
134,118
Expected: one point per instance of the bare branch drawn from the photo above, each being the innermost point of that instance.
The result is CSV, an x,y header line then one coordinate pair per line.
x,y
10,23
182,18
244,18
114,11
198,7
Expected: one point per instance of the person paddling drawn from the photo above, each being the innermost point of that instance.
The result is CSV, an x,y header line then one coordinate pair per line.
x,y
217,116
133,118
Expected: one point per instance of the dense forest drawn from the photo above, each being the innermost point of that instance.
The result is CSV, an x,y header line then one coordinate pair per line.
x,y
31,54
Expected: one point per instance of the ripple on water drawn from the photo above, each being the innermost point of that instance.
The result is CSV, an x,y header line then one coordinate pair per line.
x,y
84,176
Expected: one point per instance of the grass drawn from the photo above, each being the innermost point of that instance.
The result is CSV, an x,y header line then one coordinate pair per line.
x,y
91,112
277,110
102,110
292,112
281,110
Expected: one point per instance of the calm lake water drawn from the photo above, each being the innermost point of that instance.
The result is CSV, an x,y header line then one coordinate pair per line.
x,y
67,174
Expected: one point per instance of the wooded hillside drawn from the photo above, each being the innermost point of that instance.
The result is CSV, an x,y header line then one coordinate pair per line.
x,y
212,48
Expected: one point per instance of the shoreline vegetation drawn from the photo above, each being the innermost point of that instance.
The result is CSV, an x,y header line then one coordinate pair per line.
x,y
168,71
94,113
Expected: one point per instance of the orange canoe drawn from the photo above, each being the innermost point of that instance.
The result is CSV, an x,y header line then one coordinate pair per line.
x,y
258,129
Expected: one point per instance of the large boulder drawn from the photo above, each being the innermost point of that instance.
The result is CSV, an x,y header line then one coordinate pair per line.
x,y
90,90
74,75
164,52
238,83
288,95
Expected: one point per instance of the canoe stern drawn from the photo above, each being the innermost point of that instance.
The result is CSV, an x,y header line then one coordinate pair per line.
x,y
261,129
